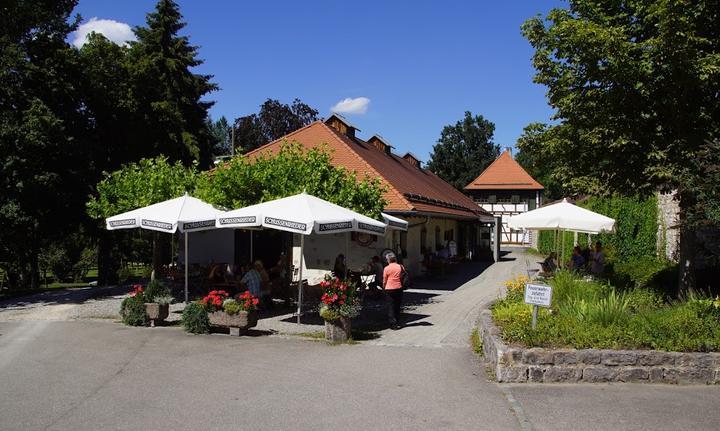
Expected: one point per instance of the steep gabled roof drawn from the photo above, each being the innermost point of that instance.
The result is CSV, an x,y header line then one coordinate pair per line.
x,y
410,189
504,174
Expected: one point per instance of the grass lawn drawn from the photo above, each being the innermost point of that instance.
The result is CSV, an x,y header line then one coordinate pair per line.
x,y
592,314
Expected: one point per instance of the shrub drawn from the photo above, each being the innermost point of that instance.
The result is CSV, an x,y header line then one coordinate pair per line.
x,y
339,299
195,319
641,300
155,289
132,311
124,274
516,288
231,306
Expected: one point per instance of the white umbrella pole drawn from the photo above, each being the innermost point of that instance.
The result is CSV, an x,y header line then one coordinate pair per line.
x,y
251,246
187,263
300,281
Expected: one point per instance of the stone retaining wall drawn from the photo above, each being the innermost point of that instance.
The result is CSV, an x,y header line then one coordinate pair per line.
x,y
519,365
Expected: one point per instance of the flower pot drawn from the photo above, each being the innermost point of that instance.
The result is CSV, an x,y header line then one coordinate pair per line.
x,y
157,311
338,331
237,323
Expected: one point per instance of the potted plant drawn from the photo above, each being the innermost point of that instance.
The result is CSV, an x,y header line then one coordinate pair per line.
x,y
339,304
157,302
238,315
132,308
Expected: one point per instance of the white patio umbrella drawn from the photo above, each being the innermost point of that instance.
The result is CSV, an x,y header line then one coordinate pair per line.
x,y
302,214
394,223
562,216
186,213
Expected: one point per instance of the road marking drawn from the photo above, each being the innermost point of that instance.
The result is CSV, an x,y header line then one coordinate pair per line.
x,y
525,424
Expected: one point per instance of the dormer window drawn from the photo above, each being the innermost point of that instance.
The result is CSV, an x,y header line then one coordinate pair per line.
x,y
342,125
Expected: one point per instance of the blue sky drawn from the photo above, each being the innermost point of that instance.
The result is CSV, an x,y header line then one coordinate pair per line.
x,y
421,64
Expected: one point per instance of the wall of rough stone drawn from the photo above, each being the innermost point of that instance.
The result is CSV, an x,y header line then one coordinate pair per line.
x,y
536,365
668,232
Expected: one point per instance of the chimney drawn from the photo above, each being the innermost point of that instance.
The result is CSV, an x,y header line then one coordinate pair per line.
x,y
342,125
380,143
410,158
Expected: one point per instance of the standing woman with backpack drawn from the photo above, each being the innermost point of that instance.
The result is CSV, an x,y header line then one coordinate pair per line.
x,y
393,276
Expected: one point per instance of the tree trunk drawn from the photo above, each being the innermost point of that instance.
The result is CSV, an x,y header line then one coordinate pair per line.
x,y
686,262
34,261
103,258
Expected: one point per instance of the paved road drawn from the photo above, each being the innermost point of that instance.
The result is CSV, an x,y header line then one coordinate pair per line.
x,y
90,375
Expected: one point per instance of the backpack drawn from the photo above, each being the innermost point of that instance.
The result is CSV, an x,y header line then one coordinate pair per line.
x,y
405,279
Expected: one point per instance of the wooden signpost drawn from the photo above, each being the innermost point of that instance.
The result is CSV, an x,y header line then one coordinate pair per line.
x,y
538,295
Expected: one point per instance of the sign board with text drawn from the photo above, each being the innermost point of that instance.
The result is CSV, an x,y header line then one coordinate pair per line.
x,y
538,294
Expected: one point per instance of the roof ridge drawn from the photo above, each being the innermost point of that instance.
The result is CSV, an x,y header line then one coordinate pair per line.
x,y
391,188
282,138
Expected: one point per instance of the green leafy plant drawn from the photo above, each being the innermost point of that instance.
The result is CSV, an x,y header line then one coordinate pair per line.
x,y
155,289
231,307
132,308
195,319
164,299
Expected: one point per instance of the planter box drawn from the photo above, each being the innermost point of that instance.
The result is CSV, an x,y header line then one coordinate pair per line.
x,y
338,331
542,365
237,323
157,312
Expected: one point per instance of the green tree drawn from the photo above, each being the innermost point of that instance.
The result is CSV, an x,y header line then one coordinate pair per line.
x,y
464,150
220,135
44,155
532,155
242,182
136,185
634,85
169,95
273,121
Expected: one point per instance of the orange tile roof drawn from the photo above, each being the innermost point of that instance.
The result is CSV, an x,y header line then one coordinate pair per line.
x,y
410,189
504,174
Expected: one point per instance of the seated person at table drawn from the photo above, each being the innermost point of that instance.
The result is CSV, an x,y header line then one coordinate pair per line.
x,y
216,274
597,260
549,265
340,270
265,293
376,268
251,280
577,262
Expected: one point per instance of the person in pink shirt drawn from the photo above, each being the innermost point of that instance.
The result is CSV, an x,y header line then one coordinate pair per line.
x,y
392,285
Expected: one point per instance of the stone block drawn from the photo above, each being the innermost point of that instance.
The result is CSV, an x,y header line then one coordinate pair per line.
x,y
535,374
599,374
656,374
620,357
654,358
632,374
538,357
565,357
510,357
563,374
695,360
512,374
689,375
589,356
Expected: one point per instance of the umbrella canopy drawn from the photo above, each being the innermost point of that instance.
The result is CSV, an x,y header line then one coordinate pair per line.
x,y
186,213
562,216
303,214
394,223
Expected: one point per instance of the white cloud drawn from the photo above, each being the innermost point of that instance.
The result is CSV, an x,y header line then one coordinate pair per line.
x,y
358,105
116,31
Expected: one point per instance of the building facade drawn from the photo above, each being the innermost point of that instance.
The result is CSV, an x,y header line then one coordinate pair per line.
x,y
439,216
505,189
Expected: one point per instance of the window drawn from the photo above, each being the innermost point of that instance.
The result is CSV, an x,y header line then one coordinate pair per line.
x,y
531,204
515,199
492,199
438,244
423,240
